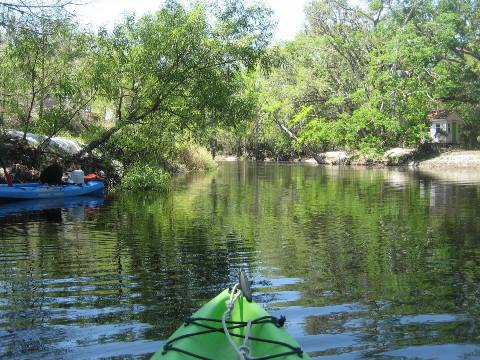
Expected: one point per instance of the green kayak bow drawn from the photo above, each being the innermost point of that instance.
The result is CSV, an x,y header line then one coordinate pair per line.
x,y
229,327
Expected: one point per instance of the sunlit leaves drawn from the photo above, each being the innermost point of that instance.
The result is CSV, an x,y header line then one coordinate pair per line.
x,y
43,80
370,77
177,73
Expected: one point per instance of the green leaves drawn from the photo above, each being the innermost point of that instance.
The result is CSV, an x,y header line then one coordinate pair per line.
x,y
42,80
301,116
143,177
176,74
367,79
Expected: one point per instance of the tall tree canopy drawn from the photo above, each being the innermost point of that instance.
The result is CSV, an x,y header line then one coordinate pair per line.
x,y
166,77
354,79
180,66
366,79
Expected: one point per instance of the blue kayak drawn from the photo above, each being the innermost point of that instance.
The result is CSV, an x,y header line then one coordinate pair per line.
x,y
43,191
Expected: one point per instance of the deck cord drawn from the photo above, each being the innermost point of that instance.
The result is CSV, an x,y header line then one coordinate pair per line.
x,y
243,351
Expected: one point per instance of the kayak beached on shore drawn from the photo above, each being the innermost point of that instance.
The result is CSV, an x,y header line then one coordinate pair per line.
x,y
231,327
32,191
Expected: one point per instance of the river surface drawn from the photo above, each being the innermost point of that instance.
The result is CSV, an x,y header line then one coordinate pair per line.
x,y
363,263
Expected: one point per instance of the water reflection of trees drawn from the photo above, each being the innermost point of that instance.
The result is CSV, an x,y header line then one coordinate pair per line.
x,y
372,237
367,236
347,231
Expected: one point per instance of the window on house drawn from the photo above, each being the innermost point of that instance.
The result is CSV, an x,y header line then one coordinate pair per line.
x,y
448,128
437,128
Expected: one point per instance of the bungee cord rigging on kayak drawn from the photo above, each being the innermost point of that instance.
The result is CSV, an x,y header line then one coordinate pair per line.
x,y
259,335
243,351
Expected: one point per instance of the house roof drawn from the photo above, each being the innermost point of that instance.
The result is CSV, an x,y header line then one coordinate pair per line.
x,y
441,114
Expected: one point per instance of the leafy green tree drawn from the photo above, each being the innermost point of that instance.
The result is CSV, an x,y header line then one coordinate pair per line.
x,y
179,70
43,76
367,79
27,14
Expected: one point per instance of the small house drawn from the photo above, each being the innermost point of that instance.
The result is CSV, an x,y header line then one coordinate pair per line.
x,y
446,126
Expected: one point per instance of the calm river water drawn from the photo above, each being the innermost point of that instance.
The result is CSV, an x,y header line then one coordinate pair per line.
x,y
363,263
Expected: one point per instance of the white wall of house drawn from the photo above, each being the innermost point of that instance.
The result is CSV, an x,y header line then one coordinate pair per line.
x,y
109,114
448,130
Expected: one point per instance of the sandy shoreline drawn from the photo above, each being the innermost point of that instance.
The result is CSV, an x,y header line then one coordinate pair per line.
x,y
461,159
455,159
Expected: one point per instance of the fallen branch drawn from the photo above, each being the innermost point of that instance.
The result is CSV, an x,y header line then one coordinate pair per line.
x,y
310,151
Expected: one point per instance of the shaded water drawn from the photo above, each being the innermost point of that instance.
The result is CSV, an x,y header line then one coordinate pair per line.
x,y
363,263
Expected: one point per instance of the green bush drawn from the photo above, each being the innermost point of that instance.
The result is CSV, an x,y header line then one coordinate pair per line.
x,y
145,177
195,157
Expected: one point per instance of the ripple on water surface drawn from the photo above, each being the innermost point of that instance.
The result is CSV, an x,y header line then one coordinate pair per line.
x,y
363,263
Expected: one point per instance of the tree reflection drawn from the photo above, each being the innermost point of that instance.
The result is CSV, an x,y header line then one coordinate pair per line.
x,y
370,248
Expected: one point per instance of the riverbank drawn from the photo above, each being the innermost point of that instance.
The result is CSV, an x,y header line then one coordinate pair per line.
x,y
25,157
455,159
20,155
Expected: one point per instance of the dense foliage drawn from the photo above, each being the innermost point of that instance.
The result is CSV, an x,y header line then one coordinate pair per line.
x,y
142,176
367,79
144,92
204,75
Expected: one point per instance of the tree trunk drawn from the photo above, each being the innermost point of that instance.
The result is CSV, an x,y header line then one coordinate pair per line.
x,y
30,108
99,141
310,151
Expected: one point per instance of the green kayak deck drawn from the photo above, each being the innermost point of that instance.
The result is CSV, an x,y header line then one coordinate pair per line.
x,y
268,339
